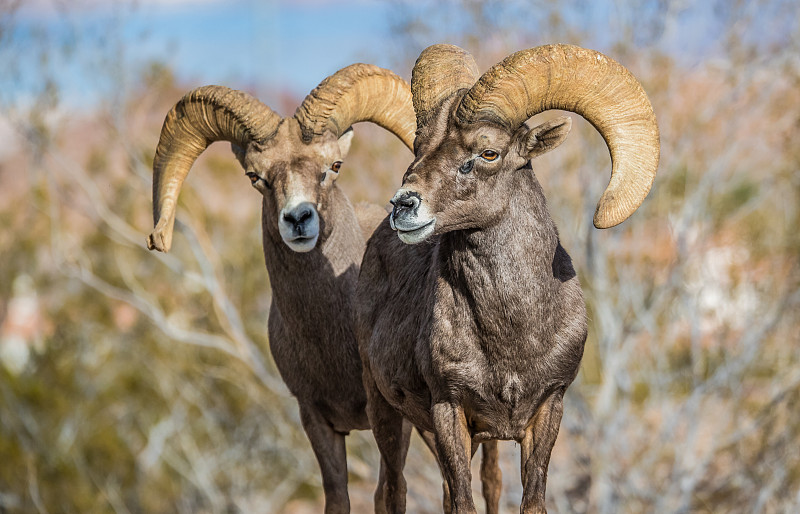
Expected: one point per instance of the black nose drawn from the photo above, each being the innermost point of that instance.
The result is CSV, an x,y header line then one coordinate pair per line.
x,y
406,202
298,216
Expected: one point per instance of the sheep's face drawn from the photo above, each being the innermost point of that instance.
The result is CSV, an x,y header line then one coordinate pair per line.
x,y
295,179
462,175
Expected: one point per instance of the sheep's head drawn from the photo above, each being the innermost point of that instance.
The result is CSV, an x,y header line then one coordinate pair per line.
x,y
293,162
472,135
295,179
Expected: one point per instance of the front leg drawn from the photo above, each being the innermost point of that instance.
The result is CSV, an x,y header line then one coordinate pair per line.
x,y
540,436
454,445
392,434
329,448
430,442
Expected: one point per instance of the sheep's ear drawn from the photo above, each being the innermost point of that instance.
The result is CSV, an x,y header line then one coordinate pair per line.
x,y
238,151
345,140
546,136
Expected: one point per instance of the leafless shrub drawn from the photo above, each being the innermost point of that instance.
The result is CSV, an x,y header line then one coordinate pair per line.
x,y
689,388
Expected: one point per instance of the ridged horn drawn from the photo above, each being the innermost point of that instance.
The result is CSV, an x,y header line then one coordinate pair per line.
x,y
359,92
202,116
590,84
440,71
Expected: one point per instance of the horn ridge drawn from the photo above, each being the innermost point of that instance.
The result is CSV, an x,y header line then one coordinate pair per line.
x,y
588,83
359,92
204,115
228,114
439,72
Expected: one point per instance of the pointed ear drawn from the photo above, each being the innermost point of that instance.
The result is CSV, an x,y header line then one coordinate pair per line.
x,y
546,136
345,140
238,151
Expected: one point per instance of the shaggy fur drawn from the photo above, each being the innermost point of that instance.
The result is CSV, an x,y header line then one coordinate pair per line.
x,y
313,238
475,332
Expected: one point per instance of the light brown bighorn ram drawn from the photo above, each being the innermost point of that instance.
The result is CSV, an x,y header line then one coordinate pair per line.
x,y
476,333
313,237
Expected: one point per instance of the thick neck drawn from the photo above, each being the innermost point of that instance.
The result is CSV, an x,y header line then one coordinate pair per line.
x,y
323,278
525,233
503,272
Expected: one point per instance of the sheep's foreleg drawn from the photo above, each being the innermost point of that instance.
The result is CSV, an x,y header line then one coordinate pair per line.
x,y
454,445
540,436
491,475
392,434
430,442
329,447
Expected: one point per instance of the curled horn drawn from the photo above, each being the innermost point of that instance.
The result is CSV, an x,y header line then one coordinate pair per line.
x,y
202,116
440,71
359,92
590,84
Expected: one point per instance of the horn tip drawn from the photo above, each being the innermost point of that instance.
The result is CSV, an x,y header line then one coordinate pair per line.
x,y
159,240
601,222
613,210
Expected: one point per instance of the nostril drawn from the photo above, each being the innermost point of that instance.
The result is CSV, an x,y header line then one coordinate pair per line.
x,y
298,216
408,201
303,215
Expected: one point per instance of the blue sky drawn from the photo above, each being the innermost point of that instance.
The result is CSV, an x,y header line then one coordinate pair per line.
x,y
268,46
291,45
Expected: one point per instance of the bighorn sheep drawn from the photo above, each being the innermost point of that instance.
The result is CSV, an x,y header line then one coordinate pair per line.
x,y
313,237
476,334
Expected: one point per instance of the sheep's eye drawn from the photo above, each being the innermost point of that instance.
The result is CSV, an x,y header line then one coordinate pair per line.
x,y
490,155
336,166
256,180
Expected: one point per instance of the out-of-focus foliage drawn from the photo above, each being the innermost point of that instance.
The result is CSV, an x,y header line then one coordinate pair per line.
x,y
141,382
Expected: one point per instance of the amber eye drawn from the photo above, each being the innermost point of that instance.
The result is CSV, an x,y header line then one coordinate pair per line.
x,y
336,166
255,180
490,155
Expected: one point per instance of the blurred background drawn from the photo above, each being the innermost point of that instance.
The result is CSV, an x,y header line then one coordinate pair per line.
x,y
139,382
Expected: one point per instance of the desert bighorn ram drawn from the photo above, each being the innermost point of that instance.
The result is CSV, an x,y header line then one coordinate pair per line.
x,y
476,333
313,237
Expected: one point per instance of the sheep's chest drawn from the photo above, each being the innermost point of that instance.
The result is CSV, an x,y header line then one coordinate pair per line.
x,y
499,393
501,343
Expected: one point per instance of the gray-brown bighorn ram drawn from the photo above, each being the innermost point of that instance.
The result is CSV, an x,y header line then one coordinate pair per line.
x,y
313,237
475,332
